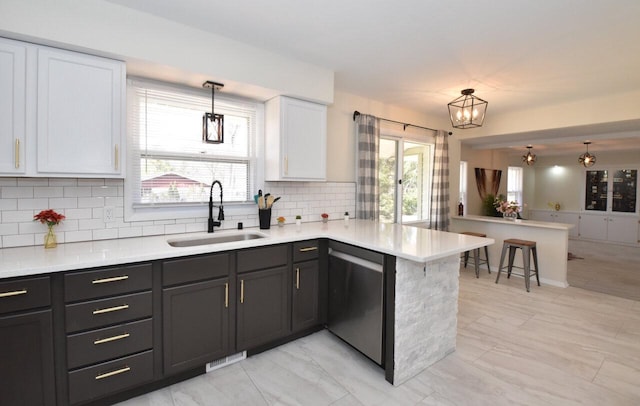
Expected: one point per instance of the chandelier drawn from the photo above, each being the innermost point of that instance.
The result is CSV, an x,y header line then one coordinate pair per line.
x,y
529,158
587,159
467,111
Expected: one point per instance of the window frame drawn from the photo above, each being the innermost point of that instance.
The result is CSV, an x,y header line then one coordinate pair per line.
x,y
519,194
169,211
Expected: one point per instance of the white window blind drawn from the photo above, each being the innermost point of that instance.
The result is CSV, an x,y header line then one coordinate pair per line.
x,y
514,184
169,163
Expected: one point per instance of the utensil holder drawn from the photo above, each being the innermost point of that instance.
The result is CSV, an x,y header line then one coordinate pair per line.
x,y
264,216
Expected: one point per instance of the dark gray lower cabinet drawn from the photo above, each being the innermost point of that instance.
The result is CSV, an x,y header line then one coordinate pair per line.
x,y
195,324
305,306
26,359
263,311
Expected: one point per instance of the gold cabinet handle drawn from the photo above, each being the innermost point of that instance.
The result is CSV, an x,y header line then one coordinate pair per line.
x,y
112,373
297,278
17,152
226,295
14,293
117,156
113,279
109,339
241,290
307,249
111,309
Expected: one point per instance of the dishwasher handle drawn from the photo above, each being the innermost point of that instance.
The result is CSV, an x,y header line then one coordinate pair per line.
x,y
355,260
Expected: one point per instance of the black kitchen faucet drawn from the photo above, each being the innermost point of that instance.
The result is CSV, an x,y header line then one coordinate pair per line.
x,y
212,223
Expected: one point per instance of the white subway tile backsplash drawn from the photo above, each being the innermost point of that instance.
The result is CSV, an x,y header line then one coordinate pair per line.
x,y
18,192
17,216
48,191
61,203
33,204
83,201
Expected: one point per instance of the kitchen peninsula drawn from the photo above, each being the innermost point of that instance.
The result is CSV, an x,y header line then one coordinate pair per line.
x,y
552,240
420,287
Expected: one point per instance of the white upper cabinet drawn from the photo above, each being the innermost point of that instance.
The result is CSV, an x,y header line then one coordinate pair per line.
x,y
13,92
80,128
62,113
295,140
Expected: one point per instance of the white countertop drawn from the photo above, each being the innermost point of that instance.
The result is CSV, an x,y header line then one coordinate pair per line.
x,y
412,243
524,223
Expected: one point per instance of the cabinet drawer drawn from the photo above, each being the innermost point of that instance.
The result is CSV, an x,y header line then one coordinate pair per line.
x,y
22,294
194,269
108,343
99,313
110,377
106,282
262,258
305,250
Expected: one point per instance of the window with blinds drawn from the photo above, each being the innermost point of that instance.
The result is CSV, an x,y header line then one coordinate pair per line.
x,y
169,164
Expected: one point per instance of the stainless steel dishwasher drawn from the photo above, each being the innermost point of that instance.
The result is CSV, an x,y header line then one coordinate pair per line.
x,y
356,298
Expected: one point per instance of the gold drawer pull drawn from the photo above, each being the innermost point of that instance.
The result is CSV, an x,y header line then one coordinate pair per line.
x,y
111,309
109,339
297,278
17,151
241,290
226,295
307,249
14,293
117,157
114,279
112,373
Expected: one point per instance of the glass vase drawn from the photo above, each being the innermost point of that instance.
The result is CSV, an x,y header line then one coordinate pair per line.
x,y
510,216
50,239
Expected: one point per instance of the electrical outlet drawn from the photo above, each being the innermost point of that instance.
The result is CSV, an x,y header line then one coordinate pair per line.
x,y
107,214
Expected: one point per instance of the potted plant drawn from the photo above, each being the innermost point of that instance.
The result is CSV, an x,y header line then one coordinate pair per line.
x,y
298,220
281,221
325,217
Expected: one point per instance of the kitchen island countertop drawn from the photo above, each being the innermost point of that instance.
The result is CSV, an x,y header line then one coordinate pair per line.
x,y
411,243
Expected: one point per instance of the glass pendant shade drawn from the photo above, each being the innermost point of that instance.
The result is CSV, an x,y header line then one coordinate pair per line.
x,y
587,159
529,158
467,111
212,123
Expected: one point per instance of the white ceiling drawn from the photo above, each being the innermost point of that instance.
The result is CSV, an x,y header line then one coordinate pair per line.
x,y
419,54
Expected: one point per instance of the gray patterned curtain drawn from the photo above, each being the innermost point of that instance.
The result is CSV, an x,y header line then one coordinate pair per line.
x,y
368,136
439,219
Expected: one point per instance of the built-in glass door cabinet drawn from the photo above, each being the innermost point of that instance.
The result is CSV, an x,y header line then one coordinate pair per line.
x,y
80,110
611,206
13,56
295,140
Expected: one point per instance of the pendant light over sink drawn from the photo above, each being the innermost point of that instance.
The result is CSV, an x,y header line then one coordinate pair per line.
x,y
467,111
212,123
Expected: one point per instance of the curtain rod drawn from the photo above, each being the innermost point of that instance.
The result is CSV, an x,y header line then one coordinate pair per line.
x,y
356,113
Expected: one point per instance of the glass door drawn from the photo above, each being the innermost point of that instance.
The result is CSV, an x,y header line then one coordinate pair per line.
x,y
625,184
596,191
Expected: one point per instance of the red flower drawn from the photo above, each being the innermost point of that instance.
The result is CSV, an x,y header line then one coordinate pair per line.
x,y
49,216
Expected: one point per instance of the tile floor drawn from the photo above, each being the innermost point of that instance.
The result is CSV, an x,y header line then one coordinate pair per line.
x,y
606,268
551,346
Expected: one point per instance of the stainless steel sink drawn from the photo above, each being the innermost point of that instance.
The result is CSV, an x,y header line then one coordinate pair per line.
x,y
215,239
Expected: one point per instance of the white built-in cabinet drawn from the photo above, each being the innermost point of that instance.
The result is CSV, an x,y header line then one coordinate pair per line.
x,y
611,228
558,217
65,113
13,93
295,140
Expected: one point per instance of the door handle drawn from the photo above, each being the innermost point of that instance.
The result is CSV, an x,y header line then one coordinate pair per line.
x,y
241,290
297,278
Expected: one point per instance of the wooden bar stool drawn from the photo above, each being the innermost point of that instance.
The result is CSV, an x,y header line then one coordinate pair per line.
x,y
476,254
528,248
